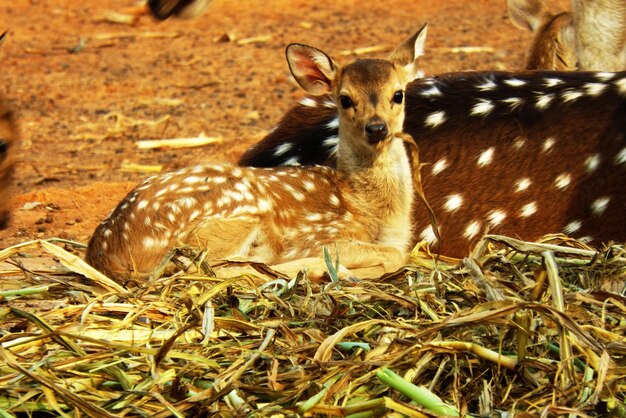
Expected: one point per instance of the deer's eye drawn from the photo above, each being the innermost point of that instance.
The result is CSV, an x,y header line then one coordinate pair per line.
x,y
398,97
346,102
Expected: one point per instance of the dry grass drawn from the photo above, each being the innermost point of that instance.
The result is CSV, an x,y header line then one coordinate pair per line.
x,y
524,328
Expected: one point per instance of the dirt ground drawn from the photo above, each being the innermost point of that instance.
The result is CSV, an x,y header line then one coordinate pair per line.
x,y
86,89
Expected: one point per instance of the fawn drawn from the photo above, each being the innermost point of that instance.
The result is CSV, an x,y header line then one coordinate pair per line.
x,y
591,37
8,151
522,153
361,208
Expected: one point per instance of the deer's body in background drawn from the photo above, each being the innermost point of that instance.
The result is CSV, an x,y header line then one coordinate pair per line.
x,y
524,154
8,151
361,209
590,37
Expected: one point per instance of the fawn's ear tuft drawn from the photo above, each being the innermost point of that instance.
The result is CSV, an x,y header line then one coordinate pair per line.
x,y
312,68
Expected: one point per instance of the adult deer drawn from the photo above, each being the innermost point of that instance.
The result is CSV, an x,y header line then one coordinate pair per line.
x,y
591,37
523,153
361,209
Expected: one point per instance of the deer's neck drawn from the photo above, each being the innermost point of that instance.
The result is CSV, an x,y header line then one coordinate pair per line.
x,y
381,187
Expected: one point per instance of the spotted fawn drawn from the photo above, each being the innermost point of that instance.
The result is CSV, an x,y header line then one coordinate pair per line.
x,y
360,209
522,153
8,151
590,37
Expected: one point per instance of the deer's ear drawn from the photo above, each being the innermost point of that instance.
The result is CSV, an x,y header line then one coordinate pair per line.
x,y
527,14
409,51
312,68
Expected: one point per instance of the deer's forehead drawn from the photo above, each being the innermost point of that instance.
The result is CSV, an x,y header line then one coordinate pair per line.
x,y
370,75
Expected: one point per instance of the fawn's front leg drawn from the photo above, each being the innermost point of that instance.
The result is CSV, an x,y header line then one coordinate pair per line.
x,y
356,259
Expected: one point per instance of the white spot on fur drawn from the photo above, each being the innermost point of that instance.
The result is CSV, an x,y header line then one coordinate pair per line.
x,y
453,202
544,101
548,144
142,205
551,81
264,205
314,217
528,210
435,119
428,235
571,95
513,102
572,227
107,233
604,76
329,103
193,179
621,85
485,157
156,206
291,161
331,141
282,149
600,204
160,193
496,217
187,201
308,102
186,190
482,108
487,85
472,229
592,163
334,200
522,184
595,89
431,92
439,166
514,82
563,180
308,185
298,195
223,201
620,158
333,124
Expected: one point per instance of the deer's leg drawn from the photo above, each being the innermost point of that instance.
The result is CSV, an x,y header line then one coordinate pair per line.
x,y
356,259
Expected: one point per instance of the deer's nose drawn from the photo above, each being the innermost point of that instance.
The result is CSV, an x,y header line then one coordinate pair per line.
x,y
376,130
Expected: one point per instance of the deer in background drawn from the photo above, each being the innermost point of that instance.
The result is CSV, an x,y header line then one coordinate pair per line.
x,y
523,154
591,37
360,209
8,151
